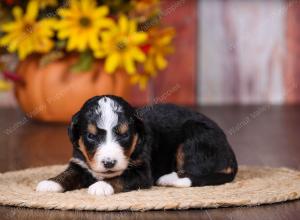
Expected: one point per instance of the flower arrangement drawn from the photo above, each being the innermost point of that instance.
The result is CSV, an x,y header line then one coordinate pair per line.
x,y
123,34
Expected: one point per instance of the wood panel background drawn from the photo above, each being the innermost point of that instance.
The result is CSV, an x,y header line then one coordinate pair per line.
x,y
292,70
242,51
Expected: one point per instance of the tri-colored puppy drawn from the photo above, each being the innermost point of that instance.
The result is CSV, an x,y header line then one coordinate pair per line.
x,y
117,148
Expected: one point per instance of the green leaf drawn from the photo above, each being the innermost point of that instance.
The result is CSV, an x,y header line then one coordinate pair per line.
x,y
60,44
84,63
50,57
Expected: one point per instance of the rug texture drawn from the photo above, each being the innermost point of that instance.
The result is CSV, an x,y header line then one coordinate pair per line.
x,y
252,186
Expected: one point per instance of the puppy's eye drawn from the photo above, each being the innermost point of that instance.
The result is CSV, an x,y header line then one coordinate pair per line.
x,y
122,135
91,136
122,130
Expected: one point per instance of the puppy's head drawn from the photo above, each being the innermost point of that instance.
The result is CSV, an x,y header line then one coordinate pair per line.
x,y
105,131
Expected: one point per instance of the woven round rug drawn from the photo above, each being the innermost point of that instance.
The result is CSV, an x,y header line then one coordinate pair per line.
x,y
252,186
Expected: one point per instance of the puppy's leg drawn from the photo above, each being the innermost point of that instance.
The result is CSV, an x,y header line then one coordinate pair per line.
x,y
74,177
205,157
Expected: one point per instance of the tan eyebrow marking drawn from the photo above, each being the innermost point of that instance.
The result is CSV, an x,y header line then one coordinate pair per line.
x,y
92,129
123,128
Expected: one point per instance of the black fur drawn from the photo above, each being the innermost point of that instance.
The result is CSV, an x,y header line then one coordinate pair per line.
x,y
206,156
206,149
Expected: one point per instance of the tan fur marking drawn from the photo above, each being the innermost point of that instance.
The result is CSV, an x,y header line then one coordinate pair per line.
x,y
92,129
123,128
227,170
132,147
82,148
180,158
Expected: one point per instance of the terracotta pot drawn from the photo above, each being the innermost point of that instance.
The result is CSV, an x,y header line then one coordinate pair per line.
x,y
53,93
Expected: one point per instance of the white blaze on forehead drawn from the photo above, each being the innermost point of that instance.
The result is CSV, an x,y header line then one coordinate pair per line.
x,y
108,110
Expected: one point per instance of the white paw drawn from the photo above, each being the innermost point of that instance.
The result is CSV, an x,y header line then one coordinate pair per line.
x,y
172,179
183,182
101,188
49,186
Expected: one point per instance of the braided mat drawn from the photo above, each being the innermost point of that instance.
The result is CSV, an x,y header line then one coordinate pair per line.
x,y
253,186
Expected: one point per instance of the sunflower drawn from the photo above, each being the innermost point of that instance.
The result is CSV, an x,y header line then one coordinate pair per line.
x,y
121,46
45,3
81,24
160,46
27,35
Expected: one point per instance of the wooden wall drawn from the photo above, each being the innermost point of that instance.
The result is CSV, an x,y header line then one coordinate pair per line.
x,y
292,69
242,51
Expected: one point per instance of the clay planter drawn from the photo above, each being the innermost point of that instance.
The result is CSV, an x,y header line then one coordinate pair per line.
x,y
52,93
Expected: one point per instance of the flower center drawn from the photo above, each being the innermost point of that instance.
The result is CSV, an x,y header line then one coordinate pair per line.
x,y
28,28
85,22
121,45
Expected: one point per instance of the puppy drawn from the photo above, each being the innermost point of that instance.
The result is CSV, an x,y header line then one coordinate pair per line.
x,y
117,148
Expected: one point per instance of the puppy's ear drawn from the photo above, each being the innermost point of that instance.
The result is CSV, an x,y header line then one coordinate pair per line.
x,y
73,129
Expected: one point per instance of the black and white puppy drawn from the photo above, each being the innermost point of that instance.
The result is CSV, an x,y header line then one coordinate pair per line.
x,y
117,148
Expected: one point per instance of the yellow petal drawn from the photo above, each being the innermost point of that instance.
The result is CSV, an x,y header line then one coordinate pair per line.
x,y
17,12
13,45
86,5
5,40
143,83
123,24
9,26
105,23
72,42
138,54
161,62
93,41
138,37
23,51
75,5
32,11
149,66
102,11
99,53
132,26
112,62
63,12
129,64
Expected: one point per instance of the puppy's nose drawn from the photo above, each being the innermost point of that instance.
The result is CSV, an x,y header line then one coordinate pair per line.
x,y
109,163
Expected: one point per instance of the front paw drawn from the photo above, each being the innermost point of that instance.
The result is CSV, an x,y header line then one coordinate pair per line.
x,y
101,188
49,186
